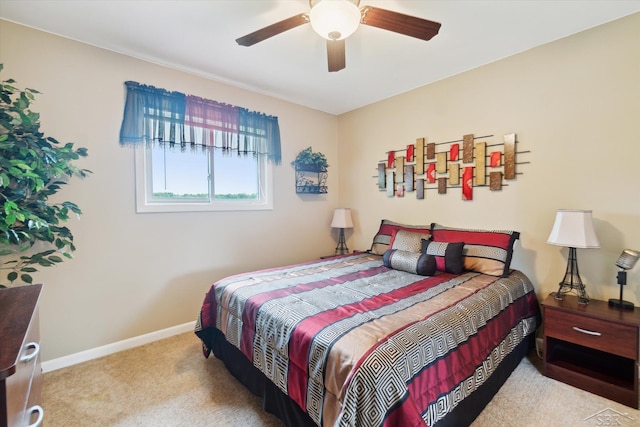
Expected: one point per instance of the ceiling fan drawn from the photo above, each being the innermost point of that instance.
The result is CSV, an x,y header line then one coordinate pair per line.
x,y
335,20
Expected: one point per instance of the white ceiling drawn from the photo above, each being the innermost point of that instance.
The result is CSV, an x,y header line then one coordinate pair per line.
x,y
199,37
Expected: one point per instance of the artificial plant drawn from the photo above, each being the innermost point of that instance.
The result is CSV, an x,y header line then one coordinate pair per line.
x,y
33,167
307,159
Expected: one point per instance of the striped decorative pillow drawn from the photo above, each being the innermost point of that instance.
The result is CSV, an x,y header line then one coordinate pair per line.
x,y
485,251
382,239
408,240
411,262
448,256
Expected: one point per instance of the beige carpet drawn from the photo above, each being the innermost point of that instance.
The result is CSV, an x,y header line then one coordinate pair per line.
x,y
169,383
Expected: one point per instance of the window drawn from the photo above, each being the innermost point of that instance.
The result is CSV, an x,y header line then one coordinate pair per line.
x,y
196,154
172,180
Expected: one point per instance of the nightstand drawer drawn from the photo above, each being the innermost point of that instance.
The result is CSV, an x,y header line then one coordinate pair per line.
x,y
608,336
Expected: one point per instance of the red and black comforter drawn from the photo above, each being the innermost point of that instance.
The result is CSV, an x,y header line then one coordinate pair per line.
x,y
354,343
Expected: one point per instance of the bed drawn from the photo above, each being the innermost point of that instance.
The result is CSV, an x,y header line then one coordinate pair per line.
x,y
422,329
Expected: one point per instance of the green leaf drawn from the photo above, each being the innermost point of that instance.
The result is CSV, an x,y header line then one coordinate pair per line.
x,y
20,164
9,206
26,278
10,219
12,276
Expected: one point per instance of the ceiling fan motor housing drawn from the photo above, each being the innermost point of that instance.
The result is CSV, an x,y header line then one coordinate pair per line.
x,y
334,19
315,2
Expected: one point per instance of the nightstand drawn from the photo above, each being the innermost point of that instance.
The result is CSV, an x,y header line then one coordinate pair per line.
x,y
592,347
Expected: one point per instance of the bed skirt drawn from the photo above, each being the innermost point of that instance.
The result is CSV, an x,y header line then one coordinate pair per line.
x,y
279,404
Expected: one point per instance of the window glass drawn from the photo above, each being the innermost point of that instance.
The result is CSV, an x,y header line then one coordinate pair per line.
x,y
169,179
235,177
179,175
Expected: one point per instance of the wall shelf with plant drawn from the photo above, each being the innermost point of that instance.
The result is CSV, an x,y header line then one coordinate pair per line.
x,y
311,172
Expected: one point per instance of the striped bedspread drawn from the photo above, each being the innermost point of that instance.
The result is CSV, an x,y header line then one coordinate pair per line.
x,y
354,343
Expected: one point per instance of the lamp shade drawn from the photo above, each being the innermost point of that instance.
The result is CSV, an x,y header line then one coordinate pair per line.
x,y
334,19
628,258
573,229
342,218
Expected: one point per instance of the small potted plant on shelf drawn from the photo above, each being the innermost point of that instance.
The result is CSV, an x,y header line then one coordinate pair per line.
x,y
311,171
310,161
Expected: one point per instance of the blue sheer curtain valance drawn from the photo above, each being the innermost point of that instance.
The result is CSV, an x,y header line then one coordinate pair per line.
x,y
156,115
259,133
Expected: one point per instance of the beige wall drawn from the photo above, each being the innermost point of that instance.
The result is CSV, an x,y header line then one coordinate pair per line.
x,y
574,103
137,273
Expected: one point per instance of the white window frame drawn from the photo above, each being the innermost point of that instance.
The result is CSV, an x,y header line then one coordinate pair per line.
x,y
146,204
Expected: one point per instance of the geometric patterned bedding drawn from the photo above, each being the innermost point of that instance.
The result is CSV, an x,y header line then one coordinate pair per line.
x,y
354,343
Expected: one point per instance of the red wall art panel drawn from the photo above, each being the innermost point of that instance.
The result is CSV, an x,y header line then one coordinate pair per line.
x,y
410,153
454,152
431,173
496,159
467,183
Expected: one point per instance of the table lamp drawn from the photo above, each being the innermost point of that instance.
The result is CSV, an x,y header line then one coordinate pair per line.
x,y
573,229
628,258
342,220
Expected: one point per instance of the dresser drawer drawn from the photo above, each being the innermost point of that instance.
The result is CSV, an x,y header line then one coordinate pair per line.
x,y
19,385
20,372
611,337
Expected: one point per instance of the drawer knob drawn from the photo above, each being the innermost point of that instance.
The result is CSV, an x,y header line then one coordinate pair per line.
x,y
585,331
28,357
37,409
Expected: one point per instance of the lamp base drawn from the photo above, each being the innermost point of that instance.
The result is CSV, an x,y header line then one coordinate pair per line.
x,y
572,281
566,288
618,303
342,248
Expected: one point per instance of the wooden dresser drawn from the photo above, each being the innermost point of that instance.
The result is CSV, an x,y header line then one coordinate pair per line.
x,y
20,373
593,347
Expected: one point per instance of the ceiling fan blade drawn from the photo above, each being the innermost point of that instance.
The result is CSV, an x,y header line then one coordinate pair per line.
x,y
336,55
399,23
273,29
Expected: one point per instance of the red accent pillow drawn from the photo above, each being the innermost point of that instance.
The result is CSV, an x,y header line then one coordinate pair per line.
x,y
382,239
485,251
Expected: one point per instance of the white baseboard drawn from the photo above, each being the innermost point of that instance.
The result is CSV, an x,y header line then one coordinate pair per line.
x,y
105,350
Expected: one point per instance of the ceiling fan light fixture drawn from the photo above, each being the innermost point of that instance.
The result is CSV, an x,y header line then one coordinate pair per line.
x,y
334,19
